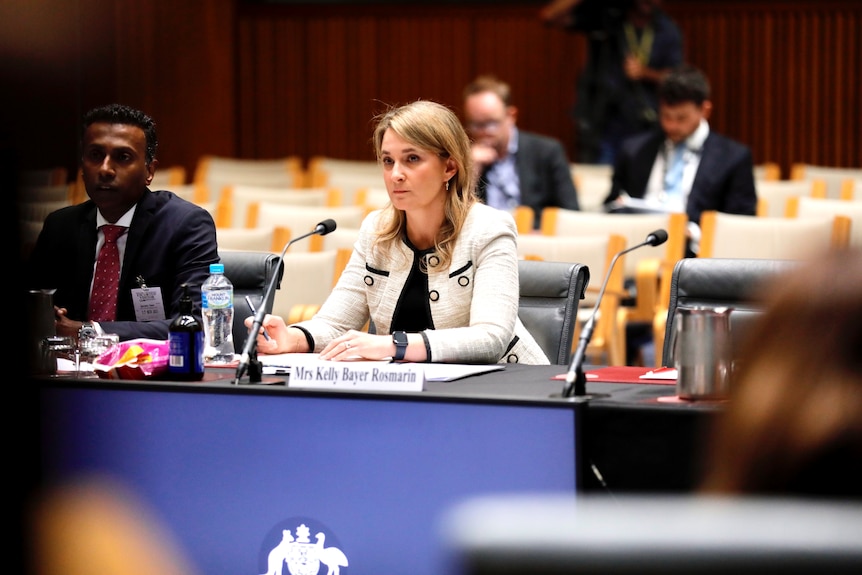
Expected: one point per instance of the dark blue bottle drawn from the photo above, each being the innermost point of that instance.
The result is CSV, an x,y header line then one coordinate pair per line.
x,y
186,342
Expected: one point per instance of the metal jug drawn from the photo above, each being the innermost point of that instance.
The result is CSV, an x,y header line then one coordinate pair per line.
x,y
40,313
702,352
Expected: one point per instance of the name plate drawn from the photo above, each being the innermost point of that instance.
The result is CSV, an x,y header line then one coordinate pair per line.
x,y
314,373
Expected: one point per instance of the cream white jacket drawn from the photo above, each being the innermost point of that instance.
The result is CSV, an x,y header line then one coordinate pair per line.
x,y
474,303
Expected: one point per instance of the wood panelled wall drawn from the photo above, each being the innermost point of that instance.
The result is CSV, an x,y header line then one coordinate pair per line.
x,y
256,79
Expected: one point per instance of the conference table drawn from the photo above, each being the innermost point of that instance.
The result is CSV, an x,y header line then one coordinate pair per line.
x,y
635,436
638,435
235,468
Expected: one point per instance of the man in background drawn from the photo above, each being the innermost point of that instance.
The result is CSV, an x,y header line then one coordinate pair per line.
x,y
514,167
683,166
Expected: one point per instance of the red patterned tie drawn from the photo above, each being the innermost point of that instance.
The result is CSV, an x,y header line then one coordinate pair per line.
x,y
103,300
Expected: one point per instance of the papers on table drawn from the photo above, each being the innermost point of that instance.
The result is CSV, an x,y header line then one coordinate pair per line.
x,y
660,373
283,364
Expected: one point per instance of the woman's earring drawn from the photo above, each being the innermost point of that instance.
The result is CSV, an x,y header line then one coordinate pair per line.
x,y
447,185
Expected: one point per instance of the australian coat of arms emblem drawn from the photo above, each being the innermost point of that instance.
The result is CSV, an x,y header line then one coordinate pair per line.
x,y
304,557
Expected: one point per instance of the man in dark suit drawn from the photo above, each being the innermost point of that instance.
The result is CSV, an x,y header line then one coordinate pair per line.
x,y
166,241
684,166
514,167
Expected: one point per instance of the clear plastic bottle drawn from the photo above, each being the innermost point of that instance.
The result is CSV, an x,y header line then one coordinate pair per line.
x,y
217,309
186,341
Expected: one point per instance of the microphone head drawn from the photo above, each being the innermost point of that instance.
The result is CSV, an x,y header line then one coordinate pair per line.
x,y
657,238
328,225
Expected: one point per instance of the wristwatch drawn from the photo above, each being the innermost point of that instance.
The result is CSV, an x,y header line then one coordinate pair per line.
x,y
88,330
400,340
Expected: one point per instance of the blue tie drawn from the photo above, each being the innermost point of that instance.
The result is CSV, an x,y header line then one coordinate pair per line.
x,y
673,172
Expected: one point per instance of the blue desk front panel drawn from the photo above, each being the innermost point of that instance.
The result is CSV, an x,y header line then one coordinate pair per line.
x,y
230,472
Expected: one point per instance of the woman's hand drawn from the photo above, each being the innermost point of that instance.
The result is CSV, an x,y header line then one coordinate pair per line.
x,y
358,345
281,339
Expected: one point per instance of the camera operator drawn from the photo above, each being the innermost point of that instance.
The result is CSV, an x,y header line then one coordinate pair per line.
x,y
632,45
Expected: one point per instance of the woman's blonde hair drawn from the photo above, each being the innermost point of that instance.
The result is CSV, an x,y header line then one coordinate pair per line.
x,y
433,127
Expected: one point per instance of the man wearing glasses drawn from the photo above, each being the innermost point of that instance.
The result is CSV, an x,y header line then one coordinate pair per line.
x,y
514,167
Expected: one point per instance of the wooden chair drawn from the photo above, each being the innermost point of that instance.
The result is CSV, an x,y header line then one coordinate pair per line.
x,y
596,252
302,219
340,238
851,189
55,176
314,275
218,172
767,172
833,177
349,176
645,271
772,196
253,239
593,183
371,198
45,193
241,203
819,207
165,178
735,236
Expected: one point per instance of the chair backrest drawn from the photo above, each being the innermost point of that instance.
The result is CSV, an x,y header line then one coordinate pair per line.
x,y
252,239
833,177
734,236
242,202
341,237
218,172
767,172
164,178
37,211
312,277
817,207
45,193
593,184
303,219
55,176
718,282
772,196
250,273
633,227
548,306
596,253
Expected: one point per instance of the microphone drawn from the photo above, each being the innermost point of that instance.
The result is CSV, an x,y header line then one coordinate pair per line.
x,y
576,381
249,355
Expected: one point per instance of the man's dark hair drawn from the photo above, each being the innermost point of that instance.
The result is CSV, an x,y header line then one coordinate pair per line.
x,y
684,84
120,114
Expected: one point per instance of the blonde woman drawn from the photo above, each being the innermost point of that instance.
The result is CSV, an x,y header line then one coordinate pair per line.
x,y
436,271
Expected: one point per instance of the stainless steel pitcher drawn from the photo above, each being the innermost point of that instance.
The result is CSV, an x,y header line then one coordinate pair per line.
x,y
702,352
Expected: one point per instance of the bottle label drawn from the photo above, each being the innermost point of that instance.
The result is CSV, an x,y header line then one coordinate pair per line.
x,y
186,352
217,299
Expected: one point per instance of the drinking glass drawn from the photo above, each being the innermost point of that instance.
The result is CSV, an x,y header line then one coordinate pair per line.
x,y
92,347
57,347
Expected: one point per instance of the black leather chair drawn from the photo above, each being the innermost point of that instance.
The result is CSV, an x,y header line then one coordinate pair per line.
x,y
716,282
548,307
250,273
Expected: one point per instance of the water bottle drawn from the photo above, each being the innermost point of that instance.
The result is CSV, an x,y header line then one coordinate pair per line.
x,y
217,308
186,342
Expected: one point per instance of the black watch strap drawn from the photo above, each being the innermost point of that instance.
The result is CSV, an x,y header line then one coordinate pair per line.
x,y
400,340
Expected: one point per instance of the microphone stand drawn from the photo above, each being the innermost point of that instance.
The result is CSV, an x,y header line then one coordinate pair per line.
x,y
248,360
576,380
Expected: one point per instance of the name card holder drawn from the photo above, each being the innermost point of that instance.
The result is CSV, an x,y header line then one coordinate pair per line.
x,y
310,372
